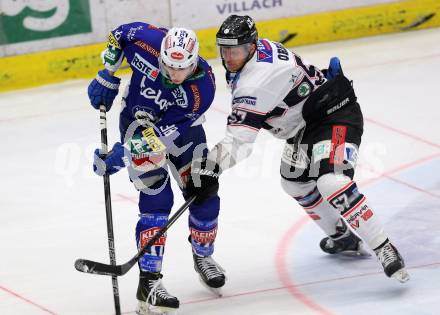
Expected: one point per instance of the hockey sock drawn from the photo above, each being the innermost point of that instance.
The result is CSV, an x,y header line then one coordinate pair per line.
x,y
343,195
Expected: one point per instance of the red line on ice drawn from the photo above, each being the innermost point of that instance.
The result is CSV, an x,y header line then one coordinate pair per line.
x,y
22,298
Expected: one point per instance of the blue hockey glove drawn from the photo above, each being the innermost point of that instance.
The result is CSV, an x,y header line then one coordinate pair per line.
x,y
110,163
334,68
103,89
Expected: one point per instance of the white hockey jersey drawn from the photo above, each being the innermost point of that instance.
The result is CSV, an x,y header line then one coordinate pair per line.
x,y
269,93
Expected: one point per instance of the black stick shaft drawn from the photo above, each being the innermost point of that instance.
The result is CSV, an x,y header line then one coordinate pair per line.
x,y
108,210
93,267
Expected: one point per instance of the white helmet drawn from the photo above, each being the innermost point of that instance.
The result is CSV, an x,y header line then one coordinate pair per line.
x,y
179,49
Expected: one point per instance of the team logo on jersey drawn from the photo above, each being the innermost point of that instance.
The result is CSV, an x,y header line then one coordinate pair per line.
x,y
145,67
264,52
180,96
145,116
304,89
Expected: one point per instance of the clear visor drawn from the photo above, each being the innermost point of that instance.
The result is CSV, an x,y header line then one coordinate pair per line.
x,y
235,52
235,57
177,75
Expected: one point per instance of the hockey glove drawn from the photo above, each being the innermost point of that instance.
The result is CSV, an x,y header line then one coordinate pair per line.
x,y
110,163
103,89
334,68
203,181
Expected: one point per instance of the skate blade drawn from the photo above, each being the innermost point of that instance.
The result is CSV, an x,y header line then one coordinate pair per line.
x,y
360,252
401,275
216,291
148,309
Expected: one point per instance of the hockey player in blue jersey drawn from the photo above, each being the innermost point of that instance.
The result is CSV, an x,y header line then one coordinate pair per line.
x,y
161,133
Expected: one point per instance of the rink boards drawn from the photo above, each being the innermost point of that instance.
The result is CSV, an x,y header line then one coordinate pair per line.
x,y
36,69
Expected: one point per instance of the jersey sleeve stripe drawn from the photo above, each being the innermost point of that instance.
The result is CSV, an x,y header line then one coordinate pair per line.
x,y
245,126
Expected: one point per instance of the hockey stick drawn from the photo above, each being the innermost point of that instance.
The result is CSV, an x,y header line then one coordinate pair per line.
x,y
108,209
93,267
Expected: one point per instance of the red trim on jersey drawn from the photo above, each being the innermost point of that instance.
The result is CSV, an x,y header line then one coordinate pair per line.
x,y
314,205
339,191
250,110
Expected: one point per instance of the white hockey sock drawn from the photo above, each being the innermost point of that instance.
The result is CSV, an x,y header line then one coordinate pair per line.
x,y
343,194
320,211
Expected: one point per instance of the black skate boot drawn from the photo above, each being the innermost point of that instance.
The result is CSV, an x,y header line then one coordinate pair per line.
x,y
392,263
345,242
212,275
152,297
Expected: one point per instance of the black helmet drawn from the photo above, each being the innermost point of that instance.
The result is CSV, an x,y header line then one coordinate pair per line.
x,y
237,30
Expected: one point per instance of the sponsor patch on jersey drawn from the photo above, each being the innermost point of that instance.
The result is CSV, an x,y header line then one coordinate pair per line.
x,y
147,48
244,100
112,55
296,157
264,52
321,150
145,67
351,154
156,96
112,41
197,100
153,142
304,89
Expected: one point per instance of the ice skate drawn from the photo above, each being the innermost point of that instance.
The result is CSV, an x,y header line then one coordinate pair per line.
x,y
211,274
345,242
153,298
392,263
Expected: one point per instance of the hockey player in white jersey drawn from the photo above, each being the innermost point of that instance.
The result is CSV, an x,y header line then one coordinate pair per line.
x,y
317,114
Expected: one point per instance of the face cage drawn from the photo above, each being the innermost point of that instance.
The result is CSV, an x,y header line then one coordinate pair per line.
x,y
164,71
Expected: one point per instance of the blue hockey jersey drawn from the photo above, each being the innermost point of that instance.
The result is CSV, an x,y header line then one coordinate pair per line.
x,y
151,98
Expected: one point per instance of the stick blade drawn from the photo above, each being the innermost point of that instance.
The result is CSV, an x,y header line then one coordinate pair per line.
x,y
93,267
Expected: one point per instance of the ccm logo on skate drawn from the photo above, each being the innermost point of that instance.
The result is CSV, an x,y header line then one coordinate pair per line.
x,y
147,235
